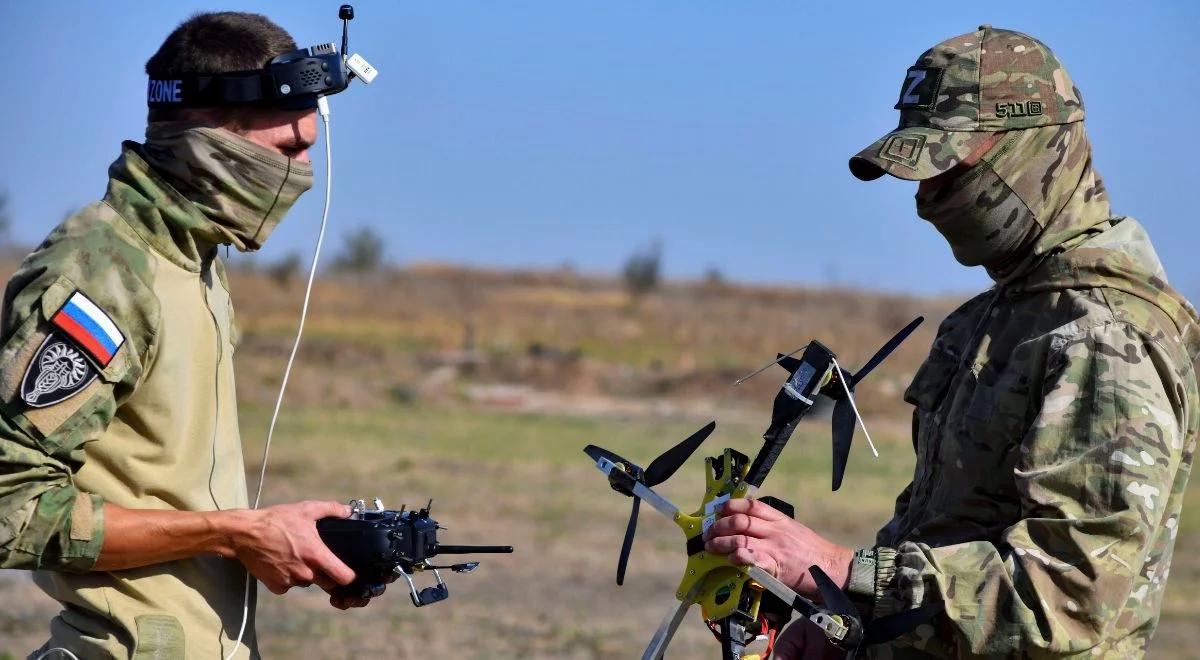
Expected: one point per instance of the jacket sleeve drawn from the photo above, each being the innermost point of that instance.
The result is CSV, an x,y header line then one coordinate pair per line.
x,y
46,522
1096,473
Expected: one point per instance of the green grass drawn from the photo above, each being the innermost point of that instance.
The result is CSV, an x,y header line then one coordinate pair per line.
x,y
522,478
501,477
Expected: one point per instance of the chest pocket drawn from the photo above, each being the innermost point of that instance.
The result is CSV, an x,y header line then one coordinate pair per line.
x,y
928,388
998,413
927,393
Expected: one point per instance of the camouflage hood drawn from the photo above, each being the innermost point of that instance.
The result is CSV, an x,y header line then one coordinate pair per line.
x,y
1079,245
189,189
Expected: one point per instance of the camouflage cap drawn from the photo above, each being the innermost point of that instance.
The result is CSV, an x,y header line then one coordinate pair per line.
x,y
963,90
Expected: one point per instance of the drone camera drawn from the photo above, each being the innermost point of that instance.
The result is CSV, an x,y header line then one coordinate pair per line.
x,y
815,366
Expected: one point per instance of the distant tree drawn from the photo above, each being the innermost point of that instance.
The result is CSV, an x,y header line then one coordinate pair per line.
x,y
285,270
641,270
362,252
714,278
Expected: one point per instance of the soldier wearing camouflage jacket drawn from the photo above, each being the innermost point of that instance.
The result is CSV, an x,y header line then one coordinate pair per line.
x,y
122,481
1057,414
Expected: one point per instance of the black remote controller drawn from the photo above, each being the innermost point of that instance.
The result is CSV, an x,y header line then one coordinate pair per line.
x,y
381,545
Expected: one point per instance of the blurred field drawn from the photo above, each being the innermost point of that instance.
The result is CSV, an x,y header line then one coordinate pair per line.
x,y
480,390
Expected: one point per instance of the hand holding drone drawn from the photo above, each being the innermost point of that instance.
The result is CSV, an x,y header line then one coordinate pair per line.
x,y
743,603
382,545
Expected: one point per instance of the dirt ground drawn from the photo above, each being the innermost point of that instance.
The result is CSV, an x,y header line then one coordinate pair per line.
x,y
521,479
480,389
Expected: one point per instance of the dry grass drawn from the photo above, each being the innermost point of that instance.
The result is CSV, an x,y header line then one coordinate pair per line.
x,y
582,336
634,378
501,477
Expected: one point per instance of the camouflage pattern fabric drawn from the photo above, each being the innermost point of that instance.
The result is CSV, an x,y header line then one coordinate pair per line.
x,y
150,431
242,188
1056,420
961,91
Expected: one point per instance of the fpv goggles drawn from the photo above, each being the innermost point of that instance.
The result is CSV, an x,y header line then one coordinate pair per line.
x,y
291,81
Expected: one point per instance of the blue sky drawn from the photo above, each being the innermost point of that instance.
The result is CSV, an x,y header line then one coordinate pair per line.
x,y
551,132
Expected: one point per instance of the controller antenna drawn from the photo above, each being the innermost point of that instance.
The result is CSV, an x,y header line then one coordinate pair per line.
x,y
346,13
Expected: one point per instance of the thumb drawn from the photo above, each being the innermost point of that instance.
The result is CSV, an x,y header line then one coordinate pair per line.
x,y
328,509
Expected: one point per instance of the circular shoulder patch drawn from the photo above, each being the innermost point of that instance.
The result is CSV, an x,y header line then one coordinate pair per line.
x,y
57,372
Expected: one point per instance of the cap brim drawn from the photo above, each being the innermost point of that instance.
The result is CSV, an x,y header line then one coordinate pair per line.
x,y
915,153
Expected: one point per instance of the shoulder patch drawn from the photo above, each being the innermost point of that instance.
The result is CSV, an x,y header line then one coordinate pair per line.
x,y
56,373
92,330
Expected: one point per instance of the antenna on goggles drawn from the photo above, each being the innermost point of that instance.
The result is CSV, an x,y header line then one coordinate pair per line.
x,y
346,13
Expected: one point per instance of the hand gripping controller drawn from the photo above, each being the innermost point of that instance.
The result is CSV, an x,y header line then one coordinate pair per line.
x,y
381,545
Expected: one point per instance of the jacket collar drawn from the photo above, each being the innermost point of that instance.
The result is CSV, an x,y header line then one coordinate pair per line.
x,y
172,226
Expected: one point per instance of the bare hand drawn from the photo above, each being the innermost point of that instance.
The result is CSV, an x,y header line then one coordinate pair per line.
x,y
753,533
280,547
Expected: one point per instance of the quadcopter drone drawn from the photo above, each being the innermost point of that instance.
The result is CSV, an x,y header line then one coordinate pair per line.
x,y
382,545
743,604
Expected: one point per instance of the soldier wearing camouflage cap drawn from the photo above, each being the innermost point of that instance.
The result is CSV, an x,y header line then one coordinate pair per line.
x,y
122,483
1057,413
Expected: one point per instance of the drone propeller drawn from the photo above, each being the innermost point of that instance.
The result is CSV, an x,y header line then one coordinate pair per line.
x,y
845,411
886,350
627,543
881,629
834,598
659,470
667,463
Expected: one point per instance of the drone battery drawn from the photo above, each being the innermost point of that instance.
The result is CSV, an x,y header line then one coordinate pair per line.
x,y
815,364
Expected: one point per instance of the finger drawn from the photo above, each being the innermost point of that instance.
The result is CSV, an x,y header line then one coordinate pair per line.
x,y
751,557
337,570
302,577
740,523
324,581
753,508
724,545
327,509
280,587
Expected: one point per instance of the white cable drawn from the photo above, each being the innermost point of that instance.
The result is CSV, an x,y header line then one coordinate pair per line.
x,y
846,388
323,111
46,654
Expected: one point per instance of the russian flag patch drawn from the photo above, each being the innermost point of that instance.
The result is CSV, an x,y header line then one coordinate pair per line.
x,y
91,329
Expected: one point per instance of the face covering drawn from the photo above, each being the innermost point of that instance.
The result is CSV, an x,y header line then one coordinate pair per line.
x,y
1032,194
980,216
244,188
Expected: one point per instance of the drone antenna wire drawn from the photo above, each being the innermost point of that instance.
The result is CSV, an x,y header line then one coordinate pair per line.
x,y
766,366
846,389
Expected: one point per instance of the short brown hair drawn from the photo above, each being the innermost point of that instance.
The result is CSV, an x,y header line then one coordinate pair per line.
x,y
216,42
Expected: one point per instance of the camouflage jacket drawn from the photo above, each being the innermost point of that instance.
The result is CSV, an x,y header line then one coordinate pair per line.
x,y
149,423
1056,419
